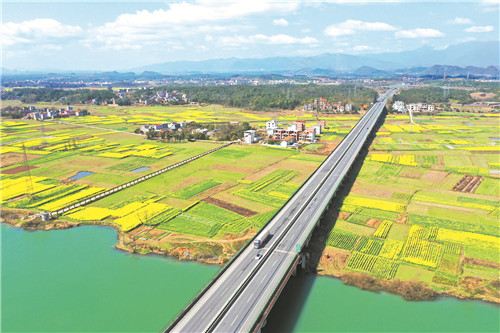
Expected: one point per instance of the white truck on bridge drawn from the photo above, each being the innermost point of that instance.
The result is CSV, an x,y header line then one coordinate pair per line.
x,y
261,239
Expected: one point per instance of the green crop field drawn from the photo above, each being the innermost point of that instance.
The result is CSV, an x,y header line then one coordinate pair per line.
x,y
441,234
424,206
229,194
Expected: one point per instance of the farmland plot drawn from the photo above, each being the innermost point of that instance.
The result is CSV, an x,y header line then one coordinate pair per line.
x,y
426,228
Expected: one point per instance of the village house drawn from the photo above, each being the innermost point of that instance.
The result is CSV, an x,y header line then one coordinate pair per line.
x,y
297,131
420,107
271,126
288,141
249,136
399,106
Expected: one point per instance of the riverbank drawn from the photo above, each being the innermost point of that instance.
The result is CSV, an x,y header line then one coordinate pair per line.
x,y
330,264
178,246
96,288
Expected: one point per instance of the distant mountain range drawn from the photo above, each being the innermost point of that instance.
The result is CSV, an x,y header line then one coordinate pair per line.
x,y
474,59
433,72
478,54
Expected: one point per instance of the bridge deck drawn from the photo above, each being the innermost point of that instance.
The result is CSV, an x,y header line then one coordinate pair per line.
x,y
240,294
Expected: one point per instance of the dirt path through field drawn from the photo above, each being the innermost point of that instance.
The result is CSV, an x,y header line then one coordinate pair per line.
x,y
231,207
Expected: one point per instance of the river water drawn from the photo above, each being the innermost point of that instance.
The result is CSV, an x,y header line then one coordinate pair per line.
x,y
75,281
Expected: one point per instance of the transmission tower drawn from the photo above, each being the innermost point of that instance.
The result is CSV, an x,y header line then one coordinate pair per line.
x,y
29,182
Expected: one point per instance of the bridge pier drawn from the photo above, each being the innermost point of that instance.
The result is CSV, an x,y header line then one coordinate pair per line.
x,y
259,330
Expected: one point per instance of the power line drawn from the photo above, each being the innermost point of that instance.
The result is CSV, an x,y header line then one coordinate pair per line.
x,y
29,182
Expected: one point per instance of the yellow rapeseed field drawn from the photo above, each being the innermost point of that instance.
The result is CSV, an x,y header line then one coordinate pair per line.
x,y
12,188
132,220
374,203
91,214
469,238
70,199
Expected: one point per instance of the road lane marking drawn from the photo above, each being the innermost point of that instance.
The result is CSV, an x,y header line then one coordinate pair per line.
x,y
306,191
204,315
232,323
285,252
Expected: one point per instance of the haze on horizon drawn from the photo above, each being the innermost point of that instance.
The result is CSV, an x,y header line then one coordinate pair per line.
x,y
121,35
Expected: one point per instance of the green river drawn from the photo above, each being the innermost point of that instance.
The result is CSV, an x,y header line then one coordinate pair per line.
x,y
75,281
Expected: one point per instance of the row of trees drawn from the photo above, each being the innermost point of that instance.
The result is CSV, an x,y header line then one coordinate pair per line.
x,y
266,97
173,136
433,95
262,97
69,96
223,132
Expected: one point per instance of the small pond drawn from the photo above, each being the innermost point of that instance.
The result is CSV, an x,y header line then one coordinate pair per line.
x,y
141,169
495,138
81,174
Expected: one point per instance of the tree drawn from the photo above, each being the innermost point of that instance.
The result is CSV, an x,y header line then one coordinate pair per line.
x,y
151,133
124,101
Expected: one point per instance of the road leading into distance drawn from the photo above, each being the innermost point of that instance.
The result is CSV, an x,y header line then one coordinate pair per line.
x,y
238,296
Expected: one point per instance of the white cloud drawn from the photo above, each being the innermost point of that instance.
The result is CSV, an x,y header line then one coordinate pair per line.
x,y
350,27
489,6
362,48
280,22
280,39
419,33
180,20
465,40
486,28
460,20
202,11
38,30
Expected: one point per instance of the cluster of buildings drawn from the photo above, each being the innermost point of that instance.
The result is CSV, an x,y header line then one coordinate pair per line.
x,y
485,105
416,107
48,113
166,97
173,126
295,133
322,105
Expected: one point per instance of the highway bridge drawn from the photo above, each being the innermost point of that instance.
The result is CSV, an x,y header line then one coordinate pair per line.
x,y
242,294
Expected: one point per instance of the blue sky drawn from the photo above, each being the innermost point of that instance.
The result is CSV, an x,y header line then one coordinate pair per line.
x,y
118,35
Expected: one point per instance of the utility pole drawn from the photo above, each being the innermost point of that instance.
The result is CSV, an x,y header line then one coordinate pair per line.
x,y
29,182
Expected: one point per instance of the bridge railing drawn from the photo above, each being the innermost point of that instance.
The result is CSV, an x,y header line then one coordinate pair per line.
x,y
294,260
221,271
217,275
278,288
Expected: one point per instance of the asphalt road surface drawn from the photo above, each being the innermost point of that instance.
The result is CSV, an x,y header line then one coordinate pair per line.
x,y
241,292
